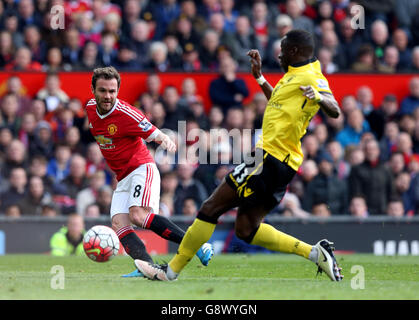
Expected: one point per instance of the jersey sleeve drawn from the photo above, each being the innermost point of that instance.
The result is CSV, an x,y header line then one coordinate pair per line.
x,y
320,83
137,124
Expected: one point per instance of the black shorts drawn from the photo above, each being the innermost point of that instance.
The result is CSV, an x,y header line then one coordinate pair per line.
x,y
261,182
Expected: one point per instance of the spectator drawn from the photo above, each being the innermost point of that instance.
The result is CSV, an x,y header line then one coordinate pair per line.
x,y
92,211
165,13
230,15
291,206
245,39
260,23
395,208
364,97
228,90
389,140
22,61
208,50
158,57
379,37
321,210
396,163
358,207
366,60
59,166
43,143
7,48
350,42
65,192
326,188
38,167
411,102
71,49
52,93
340,167
405,11
16,156
14,86
377,118
54,61
104,199
33,40
154,86
9,117
283,24
373,180
11,24
107,49
72,138
139,37
175,111
189,10
188,187
402,185
50,210
69,239
17,189
88,195
295,9
325,57
400,40
189,207
126,58
27,129
89,59
391,60
190,58
354,130
35,198
311,148
174,52
131,13
27,14
330,41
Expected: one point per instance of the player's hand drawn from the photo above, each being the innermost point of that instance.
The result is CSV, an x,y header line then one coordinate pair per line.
x,y
166,142
255,62
311,93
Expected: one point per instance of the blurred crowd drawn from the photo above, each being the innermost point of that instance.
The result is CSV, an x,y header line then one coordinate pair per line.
x,y
188,35
364,163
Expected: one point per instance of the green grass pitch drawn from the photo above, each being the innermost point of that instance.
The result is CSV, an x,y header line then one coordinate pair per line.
x,y
233,277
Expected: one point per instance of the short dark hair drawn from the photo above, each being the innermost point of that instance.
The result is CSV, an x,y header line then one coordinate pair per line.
x,y
106,73
302,39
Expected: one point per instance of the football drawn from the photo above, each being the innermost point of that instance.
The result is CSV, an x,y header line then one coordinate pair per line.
x,y
100,243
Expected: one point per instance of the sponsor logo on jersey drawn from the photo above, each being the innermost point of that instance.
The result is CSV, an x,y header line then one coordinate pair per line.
x,y
112,129
104,143
322,84
145,125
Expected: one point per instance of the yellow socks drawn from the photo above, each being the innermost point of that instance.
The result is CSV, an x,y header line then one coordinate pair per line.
x,y
197,234
275,240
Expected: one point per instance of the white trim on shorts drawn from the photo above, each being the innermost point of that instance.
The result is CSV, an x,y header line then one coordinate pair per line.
x,y
128,194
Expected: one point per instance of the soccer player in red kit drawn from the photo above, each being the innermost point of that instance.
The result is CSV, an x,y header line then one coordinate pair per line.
x,y
119,129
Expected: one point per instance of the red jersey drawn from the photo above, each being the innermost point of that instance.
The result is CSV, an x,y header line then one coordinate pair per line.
x,y
119,134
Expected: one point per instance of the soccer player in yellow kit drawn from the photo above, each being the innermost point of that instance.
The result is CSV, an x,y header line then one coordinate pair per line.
x,y
256,188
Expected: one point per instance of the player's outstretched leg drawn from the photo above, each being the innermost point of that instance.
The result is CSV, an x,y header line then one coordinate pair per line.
x,y
250,229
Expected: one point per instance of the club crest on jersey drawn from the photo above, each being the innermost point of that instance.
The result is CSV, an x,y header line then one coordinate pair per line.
x,y
112,129
145,125
104,143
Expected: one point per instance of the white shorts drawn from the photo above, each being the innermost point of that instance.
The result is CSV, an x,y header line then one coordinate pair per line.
x,y
140,188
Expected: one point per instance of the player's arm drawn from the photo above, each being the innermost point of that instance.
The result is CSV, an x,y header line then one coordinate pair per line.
x,y
326,101
256,64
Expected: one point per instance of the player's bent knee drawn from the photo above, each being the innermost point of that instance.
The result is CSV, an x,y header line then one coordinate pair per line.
x,y
138,215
